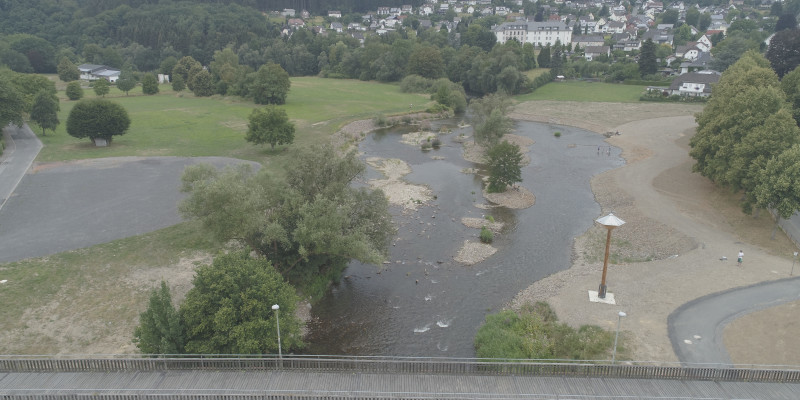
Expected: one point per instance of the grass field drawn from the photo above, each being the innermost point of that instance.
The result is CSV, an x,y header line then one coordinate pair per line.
x,y
585,91
179,124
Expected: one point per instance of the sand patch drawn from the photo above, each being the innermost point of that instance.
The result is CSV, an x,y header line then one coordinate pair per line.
x,y
418,138
473,253
517,198
398,192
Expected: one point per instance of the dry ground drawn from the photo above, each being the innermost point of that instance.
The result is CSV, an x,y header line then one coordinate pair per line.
x,y
678,227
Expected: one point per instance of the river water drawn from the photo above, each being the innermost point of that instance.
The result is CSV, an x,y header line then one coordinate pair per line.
x,y
423,303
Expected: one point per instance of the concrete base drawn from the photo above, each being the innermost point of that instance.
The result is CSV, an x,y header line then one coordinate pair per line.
x,y
595,299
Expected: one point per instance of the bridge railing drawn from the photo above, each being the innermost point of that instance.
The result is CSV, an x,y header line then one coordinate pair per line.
x,y
400,365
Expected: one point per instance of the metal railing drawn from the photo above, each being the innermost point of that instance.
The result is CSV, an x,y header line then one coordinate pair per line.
x,y
395,365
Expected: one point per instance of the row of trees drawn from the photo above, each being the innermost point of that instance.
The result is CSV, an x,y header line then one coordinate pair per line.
x,y
747,138
27,95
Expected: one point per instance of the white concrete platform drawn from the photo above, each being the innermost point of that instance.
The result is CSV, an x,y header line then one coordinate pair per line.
x,y
594,298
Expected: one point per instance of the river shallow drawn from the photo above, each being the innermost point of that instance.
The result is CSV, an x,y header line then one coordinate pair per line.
x,y
423,303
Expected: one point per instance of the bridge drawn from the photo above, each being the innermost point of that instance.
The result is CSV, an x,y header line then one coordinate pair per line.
x,y
319,377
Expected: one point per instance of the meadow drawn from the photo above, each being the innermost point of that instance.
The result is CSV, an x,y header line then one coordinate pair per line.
x,y
586,92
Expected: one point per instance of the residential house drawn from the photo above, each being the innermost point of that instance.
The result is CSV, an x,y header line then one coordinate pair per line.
x,y
694,83
443,9
702,63
305,14
590,52
689,52
502,11
295,23
395,11
658,36
355,26
93,72
288,12
337,26
585,41
407,9
383,10
426,9
704,43
334,14
613,27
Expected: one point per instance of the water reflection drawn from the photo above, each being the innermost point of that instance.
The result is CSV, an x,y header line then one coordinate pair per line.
x,y
422,303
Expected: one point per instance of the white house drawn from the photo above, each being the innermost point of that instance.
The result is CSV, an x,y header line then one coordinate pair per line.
x,y
93,72
334,14
694,83
536,33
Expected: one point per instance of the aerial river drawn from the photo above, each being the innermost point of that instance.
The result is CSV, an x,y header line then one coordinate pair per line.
x,y
424,303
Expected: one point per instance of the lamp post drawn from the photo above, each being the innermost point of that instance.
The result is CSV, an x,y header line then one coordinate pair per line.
x,y
278,324
793,260
610,221
619,322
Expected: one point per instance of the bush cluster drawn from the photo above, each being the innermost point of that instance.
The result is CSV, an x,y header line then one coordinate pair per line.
x,y
486,235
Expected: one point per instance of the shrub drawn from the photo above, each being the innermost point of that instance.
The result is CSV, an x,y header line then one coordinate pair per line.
x,y
486,235
557,134
416,84
436,143
426,146
489,218
381,120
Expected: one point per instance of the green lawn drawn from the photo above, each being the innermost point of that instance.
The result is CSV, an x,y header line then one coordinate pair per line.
x,y
179,124
585,91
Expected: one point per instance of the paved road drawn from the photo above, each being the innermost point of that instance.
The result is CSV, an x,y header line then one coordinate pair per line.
x,y
22,147
702,321
67,206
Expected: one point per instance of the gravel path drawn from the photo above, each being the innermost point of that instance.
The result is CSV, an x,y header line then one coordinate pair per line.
x,y
670,247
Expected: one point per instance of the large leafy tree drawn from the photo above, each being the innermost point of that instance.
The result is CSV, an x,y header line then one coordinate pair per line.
x,y
504,161
45,110
67,70
202,84
746,123
229,309
160,329
647,58
269,125
779,184
149,84
12,104
97,118
74,90
126,81
491,122
426,61
784,51
101,87
308,225
270,85
790,84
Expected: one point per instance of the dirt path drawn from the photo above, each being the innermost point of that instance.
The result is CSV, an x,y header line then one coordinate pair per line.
x,y
681,222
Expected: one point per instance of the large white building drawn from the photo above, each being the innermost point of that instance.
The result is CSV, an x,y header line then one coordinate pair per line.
x,y
536,33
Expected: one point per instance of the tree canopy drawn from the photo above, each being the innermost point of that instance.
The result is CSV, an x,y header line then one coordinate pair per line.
x,y
12,104
271,85
101,87
229,308
784,51
504,162
160,329
97,118
308,224
269,125
45,110
149,84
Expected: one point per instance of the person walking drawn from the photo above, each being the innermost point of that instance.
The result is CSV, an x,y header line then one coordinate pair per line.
x,y
741,256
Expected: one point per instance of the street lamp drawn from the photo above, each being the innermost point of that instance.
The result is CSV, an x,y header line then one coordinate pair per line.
x,y
793,260
278,323
610,221
619,322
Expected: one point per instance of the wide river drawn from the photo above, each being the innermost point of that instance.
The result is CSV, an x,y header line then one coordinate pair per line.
x,y
423,303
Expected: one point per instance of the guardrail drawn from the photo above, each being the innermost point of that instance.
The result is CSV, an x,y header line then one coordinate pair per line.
x,y
398,365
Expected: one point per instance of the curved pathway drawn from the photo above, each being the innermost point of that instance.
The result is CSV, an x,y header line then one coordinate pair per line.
x,y
696,328
22,147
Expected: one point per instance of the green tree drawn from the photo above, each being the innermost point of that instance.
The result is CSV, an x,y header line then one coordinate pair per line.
x,y
126,81
97,119
786,21
647,58
74,90
229,309
178,84
167,65
203,84
309,225
728,51
183,68
790,84
505,166
779,185
45,110
427,62
692,17
149,84
160,329
670,16
101,87
449,94
271,85
15,60
544,57
784,51
745,123
492,129
269,125
67,71
11,104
